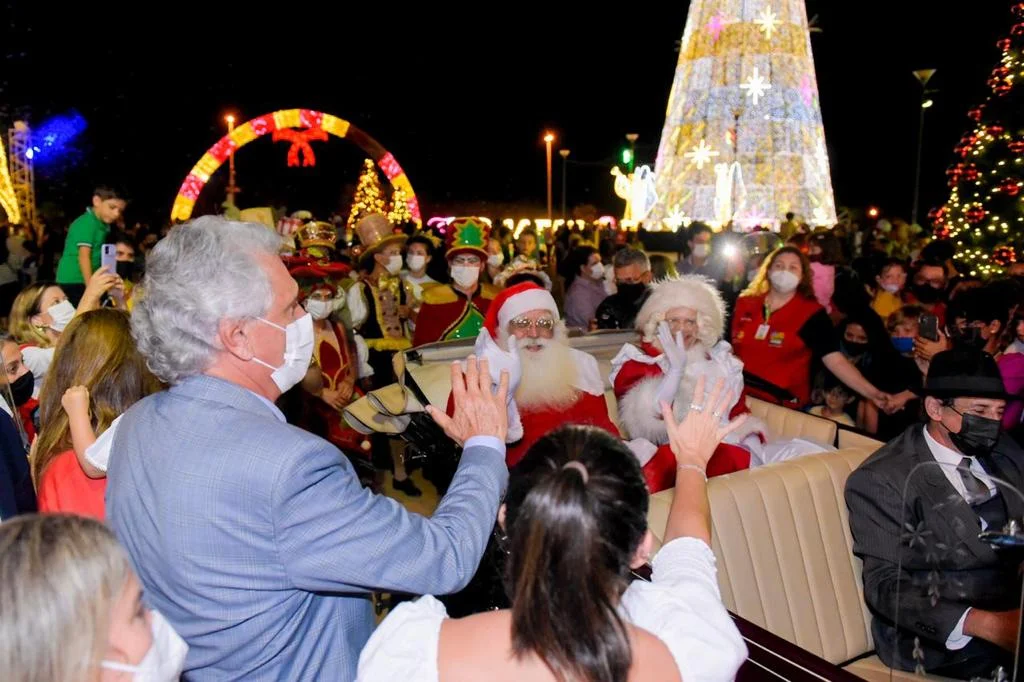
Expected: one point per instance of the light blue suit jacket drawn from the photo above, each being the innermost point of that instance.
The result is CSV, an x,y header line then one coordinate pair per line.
x,y
257,542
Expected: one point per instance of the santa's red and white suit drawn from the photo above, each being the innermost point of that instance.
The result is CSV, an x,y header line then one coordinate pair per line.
x,y
639,370
584,404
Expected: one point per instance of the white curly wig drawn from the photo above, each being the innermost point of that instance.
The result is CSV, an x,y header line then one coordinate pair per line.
x,y
690,291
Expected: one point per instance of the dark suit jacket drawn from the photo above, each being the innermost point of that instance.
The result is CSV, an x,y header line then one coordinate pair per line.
x,y
945,567
17,496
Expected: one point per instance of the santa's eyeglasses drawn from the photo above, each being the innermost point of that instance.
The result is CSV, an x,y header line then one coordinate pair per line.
x,y
523,324
681,323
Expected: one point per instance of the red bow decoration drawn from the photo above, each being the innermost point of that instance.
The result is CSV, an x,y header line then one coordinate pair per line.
x,y
300,140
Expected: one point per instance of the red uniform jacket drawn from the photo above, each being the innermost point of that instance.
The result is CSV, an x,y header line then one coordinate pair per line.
x,y
779,356
447,314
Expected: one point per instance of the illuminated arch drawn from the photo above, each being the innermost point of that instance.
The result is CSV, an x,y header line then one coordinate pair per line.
x,y
216,155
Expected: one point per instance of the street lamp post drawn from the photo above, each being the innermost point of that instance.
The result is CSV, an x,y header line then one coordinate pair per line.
x,y
923,76
232,189
564,153
548,139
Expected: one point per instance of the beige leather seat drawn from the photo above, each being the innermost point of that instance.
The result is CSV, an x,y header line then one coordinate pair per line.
x,y
783,545
785,423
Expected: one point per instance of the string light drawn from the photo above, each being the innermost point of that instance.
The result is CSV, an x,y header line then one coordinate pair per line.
x,y
760,112
314,124
8,200
994,143
369,197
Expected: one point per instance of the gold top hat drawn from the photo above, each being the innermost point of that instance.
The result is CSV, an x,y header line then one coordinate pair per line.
x,y
317,233
375,232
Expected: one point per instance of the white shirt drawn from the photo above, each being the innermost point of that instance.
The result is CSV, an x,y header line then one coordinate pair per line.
x,y
681,606
945,456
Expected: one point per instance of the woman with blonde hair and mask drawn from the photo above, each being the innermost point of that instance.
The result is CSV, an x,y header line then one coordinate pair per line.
x,y
41,312
72,607
779,329
97,375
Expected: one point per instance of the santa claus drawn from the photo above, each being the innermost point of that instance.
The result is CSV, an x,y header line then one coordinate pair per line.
x,y
681,325
551,384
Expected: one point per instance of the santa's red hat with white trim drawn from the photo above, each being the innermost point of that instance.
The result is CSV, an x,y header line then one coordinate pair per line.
x,y
516,300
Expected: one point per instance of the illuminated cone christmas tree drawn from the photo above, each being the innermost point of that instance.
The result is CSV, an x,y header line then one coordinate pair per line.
x,y
369,196
743,139
985,212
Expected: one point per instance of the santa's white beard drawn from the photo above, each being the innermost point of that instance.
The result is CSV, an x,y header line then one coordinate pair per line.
x,y
549,374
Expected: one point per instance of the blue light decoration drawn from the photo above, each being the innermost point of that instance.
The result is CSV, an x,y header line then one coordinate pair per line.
x,y
51,139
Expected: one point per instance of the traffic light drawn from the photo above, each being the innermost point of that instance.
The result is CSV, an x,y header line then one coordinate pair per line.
x,y
626,155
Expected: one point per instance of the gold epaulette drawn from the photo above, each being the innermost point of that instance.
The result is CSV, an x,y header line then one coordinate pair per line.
x,y
439,295
489,291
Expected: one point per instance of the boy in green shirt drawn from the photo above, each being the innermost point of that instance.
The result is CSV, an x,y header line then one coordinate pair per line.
x,y
81,257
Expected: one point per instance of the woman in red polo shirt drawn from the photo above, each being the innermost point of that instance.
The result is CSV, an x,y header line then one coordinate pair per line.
x,y
779,329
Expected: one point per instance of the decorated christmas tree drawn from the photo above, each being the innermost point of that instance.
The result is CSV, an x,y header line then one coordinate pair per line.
x,y
399,213
369,197
743,139
984,215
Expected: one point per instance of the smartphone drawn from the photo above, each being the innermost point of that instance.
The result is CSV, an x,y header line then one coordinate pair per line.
x,y
928,327
108,258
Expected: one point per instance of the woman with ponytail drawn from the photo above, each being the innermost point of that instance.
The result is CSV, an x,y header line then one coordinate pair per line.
x,y
575,517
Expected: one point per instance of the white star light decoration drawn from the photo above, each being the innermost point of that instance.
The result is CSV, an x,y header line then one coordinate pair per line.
x,y
756,86
767,21
700,155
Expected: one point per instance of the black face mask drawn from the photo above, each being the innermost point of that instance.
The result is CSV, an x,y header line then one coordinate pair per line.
x,y
853,349
925,293
977,436
632,291
125,269
971,338
21,388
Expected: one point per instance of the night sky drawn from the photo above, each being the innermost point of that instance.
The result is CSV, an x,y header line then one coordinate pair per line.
x,y
460,97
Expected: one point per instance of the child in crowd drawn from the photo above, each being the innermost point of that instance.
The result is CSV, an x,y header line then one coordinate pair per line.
x,y
97,375
837,398
890,280
825,254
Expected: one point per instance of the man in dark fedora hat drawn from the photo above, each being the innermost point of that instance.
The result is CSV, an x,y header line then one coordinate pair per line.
x,y
916,508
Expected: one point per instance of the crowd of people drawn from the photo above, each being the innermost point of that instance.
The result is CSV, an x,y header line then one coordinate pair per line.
x,y
195,402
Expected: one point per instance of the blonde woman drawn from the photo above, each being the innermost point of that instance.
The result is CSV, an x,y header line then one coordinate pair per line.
x,y
41,312
72,607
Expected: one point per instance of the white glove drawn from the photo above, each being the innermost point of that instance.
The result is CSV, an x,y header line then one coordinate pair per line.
x,y
498,360
675,353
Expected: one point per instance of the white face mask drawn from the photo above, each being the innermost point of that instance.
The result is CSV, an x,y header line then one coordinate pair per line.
x,y
701,250
465,275
62,313
394,265
320,310
496,260
298,351
597,270
784,281
165,659
891,288
416,262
